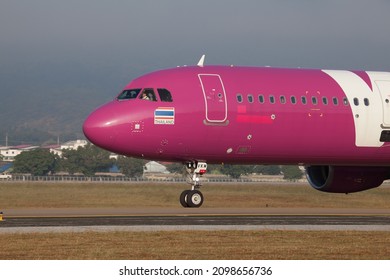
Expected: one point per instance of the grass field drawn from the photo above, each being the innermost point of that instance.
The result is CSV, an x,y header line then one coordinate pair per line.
x,y
64,195
198,245
190,244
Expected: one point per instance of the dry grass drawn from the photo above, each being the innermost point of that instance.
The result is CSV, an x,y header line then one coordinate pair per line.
x,y
191,244
66,195
211,245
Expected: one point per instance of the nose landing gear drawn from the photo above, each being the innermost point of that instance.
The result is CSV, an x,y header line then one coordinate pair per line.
x,y
193,197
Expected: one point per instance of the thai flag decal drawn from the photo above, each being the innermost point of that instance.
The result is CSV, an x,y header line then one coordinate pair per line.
x,y
164,115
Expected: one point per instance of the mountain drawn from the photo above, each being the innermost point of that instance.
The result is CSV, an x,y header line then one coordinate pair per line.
x,y
38,113
41,100
34,115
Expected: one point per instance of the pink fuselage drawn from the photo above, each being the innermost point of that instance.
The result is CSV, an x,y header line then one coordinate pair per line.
x,y
246,115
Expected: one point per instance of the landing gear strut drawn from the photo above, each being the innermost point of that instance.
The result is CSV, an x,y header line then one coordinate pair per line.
x,y
193,197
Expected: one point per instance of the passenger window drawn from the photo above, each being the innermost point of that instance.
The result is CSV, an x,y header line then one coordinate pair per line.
x,y
314,100
335,101
129,94
293,100
345,101
148,94
165,95
250,98
325,100
261,98
304,100
282,99
239,98
271,99
366,102
356,101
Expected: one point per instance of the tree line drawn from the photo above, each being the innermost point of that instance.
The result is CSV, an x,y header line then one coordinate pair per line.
x,y
89,160
86,160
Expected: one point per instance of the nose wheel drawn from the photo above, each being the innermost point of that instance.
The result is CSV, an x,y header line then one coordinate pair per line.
x,y
193,198
189,198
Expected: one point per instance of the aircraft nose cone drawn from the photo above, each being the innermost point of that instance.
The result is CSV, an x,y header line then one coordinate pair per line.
x,y
99,128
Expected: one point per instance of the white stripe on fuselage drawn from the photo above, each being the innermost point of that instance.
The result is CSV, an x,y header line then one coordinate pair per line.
x,y
367,119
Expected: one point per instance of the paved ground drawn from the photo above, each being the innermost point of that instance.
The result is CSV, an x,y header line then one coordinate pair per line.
x,y
155,219
66,212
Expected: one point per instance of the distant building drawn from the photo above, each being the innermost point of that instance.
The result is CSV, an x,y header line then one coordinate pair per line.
x,y
114,156
4,166
74,145
70,145
9,153
155,167
54,149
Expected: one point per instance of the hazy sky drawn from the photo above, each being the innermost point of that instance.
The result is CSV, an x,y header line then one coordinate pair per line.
x,y
80,43
142,35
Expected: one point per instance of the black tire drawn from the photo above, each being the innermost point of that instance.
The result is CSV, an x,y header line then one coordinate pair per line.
x,y
194,199
183,198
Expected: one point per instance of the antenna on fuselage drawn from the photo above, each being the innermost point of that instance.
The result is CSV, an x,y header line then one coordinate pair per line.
x,y
201,61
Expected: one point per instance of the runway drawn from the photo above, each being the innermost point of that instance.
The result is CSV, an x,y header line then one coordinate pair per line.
x,y
83,220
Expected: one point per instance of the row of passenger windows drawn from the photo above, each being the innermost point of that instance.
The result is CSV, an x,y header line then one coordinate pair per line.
x,y
146,94
314,100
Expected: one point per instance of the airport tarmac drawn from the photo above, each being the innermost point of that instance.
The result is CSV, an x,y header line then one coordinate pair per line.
x,y
150,211
163,219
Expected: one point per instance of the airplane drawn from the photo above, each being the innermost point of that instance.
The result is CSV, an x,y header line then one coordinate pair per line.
x,y
335,123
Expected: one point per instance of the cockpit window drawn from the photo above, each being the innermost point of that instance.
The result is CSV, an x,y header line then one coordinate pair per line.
x,y
165,95
129,94
148,94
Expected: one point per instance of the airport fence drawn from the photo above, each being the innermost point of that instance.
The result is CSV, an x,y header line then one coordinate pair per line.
x,y
120,179
123,179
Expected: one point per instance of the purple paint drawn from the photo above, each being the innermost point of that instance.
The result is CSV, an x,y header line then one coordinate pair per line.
x,y
279,116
